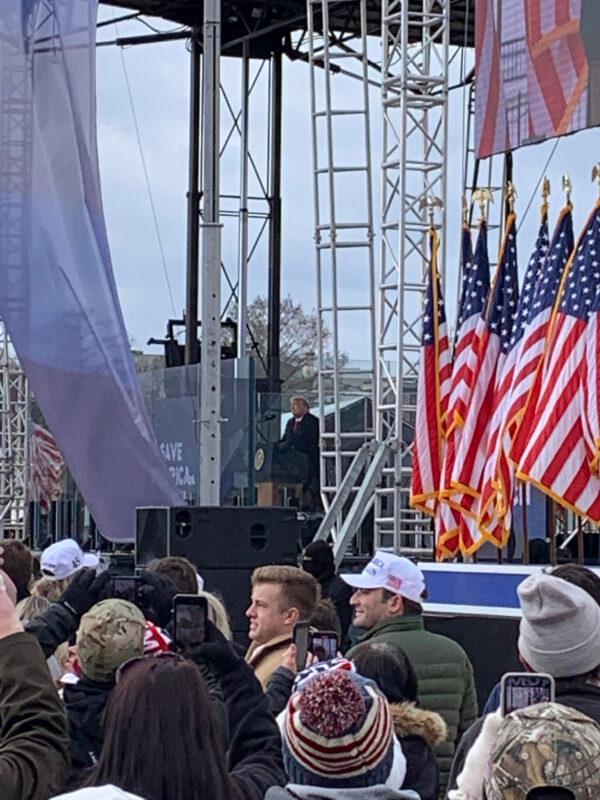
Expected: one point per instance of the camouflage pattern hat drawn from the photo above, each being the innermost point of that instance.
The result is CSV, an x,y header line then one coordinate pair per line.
x,y
545,745
109,634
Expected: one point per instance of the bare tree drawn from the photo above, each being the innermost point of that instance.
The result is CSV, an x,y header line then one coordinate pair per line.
x,y
299,339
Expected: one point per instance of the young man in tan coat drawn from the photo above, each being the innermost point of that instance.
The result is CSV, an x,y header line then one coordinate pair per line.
x,y
281,597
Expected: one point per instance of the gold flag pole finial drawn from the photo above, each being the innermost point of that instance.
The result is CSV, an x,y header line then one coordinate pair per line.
x,y
431,203
510,194
546,190
596,175
465,209
483,197
567,186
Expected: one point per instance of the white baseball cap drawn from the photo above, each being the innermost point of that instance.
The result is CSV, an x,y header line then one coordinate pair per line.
x,y
394,573
63,558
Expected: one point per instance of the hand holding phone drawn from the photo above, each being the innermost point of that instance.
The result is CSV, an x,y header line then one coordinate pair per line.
x,y
190,615
126,587
522,689
323,645
301,635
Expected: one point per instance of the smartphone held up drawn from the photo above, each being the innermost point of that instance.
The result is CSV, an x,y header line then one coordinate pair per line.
x,y
190,615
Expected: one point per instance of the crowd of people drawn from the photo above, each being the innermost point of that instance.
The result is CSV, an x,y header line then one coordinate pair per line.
x,y
97,701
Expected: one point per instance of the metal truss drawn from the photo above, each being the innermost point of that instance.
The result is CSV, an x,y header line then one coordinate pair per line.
x,y
250,206
344,230
15,148
415,108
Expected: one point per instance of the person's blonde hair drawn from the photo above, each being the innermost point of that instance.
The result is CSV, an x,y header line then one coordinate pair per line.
x,y
31,607
298,589
217,613
50,588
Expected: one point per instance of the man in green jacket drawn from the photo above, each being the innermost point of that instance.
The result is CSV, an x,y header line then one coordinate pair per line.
x,y
387,605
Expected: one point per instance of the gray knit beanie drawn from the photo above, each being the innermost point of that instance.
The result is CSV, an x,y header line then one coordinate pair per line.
x,y
560,628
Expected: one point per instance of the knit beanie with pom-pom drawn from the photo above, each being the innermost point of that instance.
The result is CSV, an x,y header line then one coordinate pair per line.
x,y
338,733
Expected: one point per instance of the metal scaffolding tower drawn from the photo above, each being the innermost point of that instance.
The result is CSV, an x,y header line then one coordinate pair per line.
x,y
344,229
415,107
15,144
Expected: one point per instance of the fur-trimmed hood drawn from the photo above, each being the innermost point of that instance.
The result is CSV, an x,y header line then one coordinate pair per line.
x,y
409,720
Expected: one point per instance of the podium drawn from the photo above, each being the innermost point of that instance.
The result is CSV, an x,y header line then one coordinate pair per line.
x,y
279,474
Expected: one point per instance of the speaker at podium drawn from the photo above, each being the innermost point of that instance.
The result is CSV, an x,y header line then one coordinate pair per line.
x,y
280,474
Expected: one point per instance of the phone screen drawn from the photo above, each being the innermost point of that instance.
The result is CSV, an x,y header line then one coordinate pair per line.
x,y
522,689
324,645
125,587
301,642
189,621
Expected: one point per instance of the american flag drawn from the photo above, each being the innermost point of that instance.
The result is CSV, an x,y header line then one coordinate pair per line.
x,y
474,292
46,467
535,307
497,486
433,391
560,431
499,318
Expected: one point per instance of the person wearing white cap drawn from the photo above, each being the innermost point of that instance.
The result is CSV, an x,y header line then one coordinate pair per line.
x,y
387,604
64,558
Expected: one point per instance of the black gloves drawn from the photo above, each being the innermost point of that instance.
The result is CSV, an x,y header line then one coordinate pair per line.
x,y
85,590
216,653
155,597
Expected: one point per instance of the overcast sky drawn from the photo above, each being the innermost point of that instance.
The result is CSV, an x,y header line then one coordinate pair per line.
x,y
158,76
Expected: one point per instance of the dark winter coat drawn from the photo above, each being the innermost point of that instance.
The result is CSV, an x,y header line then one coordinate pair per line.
x,y
418,731
338,591
444,673
254,756
85,702
572,692
279,690
53,627
34,746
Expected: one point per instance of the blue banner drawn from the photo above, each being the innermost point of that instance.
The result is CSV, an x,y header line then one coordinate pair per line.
x,y
58,296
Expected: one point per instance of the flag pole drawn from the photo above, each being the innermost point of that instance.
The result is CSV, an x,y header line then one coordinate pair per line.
x,y
580,558
525,523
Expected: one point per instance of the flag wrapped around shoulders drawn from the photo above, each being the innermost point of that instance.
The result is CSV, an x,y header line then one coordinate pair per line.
x,y
433,392
540,286
558,444
474,292
499,319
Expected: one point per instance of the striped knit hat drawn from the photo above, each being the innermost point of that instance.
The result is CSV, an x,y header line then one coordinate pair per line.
x,y
338,733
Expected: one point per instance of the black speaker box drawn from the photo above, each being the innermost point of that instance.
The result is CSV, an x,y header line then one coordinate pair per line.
x,y
224,543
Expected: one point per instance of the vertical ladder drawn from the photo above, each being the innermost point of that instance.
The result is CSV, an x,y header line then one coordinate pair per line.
x,y
344,231
415,109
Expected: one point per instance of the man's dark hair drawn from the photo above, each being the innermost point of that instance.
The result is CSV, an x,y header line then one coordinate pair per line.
x,y
325,618
18,565
390,668
181,571
156,707
579,576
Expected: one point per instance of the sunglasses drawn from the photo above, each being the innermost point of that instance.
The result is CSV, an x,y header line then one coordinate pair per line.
x,y
130,662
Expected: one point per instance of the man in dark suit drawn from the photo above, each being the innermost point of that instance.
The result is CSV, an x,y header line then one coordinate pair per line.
x,y
302,434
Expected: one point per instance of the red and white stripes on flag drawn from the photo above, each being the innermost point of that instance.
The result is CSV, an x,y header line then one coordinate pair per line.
x,y
488,385
433,392
451,525
537,299
558,443
46,467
